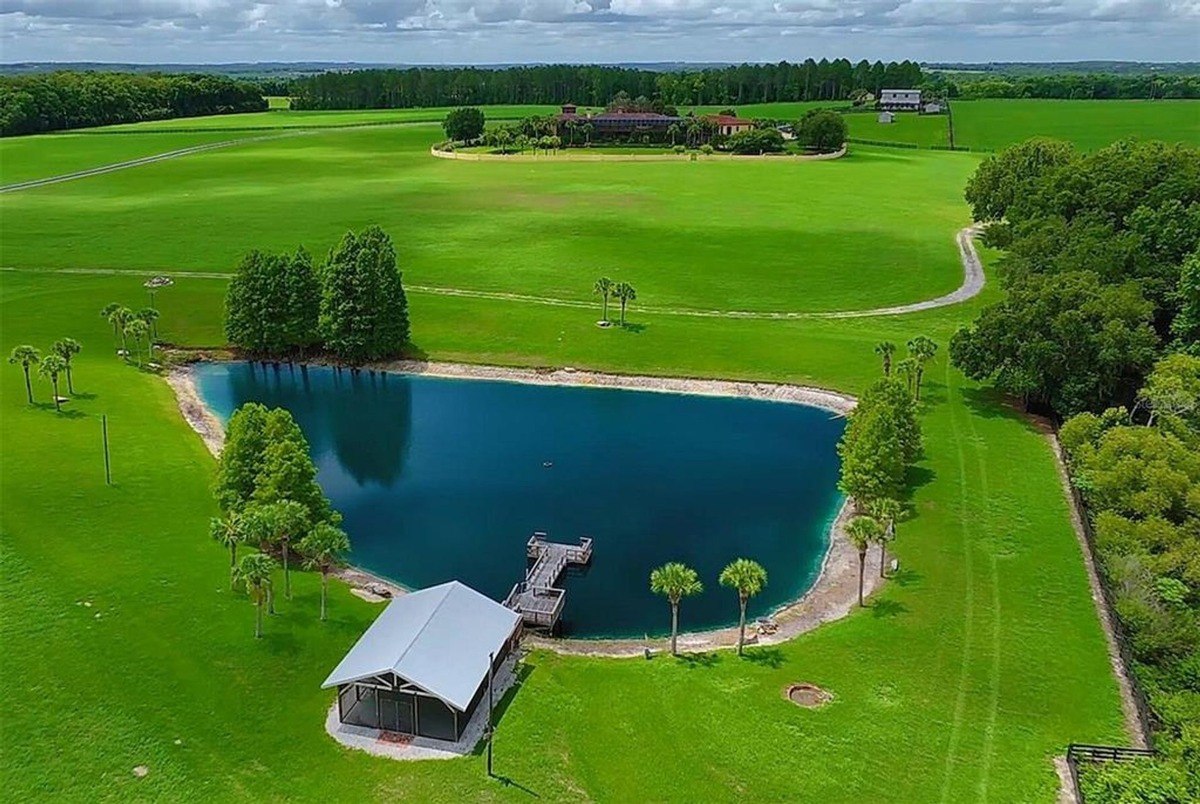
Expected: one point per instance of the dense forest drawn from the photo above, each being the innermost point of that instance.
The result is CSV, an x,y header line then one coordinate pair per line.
x,y
35,103
596,85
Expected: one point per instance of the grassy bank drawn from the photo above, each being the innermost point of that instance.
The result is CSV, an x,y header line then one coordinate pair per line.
x,y
974,667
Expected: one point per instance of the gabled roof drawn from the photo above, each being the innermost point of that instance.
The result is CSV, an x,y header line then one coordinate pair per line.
x,y
437,638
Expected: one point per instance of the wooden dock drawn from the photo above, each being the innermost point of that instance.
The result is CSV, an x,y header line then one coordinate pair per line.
x,y
539,598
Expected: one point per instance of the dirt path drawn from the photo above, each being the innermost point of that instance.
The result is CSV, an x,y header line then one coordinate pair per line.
x,y
973,282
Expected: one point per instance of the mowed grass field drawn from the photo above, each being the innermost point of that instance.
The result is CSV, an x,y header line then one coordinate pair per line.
x,y
971,669
974,667
993,124
776,235
278,117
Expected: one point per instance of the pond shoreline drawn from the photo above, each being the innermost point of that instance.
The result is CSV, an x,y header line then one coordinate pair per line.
x,y
831,596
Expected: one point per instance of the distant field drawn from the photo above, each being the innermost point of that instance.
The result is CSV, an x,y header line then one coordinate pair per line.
x,y
286,118
43,155
278,102
772,235
924,130
993,124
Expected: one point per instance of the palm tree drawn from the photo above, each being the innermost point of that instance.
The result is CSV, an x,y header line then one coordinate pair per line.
x,y
258,524
863,531
27,356
922,350
254,571
673,132
907,369
885,511
120,318
324,545
604,288
150,316
67,348
748,578
52,366
107,315
229,533
625,293
886,349
588,128
675,581
287,519
137,329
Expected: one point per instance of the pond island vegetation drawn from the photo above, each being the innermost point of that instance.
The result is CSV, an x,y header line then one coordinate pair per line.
x,y
983,650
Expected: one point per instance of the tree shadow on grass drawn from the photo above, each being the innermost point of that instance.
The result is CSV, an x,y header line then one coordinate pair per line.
x,y
632,328
765,657
988,403
905,577
86,396
699,660
915,478
508,782
66,413
882,609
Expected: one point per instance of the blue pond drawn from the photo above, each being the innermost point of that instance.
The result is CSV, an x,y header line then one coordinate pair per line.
x,y
441,479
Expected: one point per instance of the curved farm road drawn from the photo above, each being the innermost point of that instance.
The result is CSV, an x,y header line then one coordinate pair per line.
x,y
145,160
973,282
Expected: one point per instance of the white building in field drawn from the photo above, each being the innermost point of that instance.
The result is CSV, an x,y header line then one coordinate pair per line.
x,y
887,117
900,100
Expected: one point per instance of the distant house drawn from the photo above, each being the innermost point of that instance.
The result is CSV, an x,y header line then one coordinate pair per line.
x,y
887,117
931,107
900,100
616,124
728,125
422,666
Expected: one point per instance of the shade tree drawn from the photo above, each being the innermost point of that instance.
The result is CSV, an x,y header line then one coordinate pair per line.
x,y
364,310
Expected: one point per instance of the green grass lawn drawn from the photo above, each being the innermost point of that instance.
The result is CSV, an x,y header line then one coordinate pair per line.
x,y
282,117
993,124
978,663
45,155
922,130
770,235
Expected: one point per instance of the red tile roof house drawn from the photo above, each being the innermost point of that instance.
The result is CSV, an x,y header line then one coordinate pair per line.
x,y
727,125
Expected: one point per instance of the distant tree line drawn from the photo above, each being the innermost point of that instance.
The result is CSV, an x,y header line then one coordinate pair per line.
x,y
353,306
1101,265
39,102
592,85
1067,86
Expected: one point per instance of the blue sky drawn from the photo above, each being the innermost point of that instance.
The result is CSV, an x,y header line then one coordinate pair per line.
x,y
492,31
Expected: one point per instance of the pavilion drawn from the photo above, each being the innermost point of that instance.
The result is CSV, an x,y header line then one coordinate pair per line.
x,y
422,667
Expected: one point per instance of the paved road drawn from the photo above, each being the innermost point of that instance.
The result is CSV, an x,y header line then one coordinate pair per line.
x,y
973,282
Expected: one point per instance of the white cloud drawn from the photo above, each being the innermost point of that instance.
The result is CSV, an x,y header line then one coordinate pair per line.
x,y
595,30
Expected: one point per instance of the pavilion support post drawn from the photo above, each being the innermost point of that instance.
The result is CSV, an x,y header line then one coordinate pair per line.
x,y
491,727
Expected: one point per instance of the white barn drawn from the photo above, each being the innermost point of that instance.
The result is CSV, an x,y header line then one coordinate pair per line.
x,y
900,100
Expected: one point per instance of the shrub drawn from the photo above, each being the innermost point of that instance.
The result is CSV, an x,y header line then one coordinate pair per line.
x,y
464,124
822,130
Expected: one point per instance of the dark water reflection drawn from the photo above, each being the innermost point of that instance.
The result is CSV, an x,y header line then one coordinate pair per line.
x,y
442,479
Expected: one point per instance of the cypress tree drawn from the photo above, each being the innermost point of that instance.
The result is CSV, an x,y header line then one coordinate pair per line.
x,y
364,312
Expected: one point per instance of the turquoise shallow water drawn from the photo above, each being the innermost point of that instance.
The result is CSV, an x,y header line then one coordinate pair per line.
x,y
441,479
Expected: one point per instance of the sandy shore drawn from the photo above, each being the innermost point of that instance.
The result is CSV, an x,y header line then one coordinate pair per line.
x,y
832,596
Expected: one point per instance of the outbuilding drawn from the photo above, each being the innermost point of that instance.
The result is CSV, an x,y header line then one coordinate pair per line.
x,y
887,117
422,667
